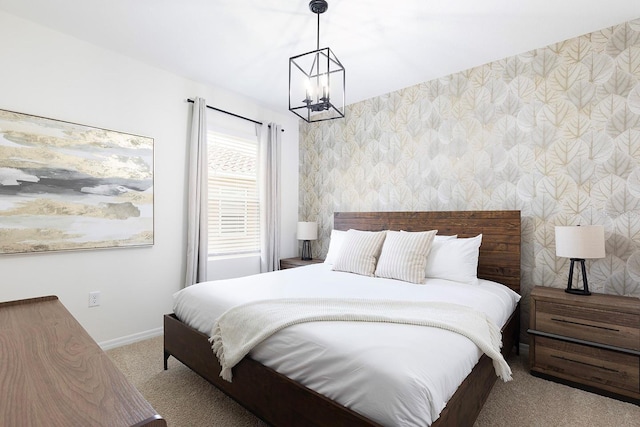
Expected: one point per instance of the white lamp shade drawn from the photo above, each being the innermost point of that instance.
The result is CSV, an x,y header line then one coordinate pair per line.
x,y
307,231
581,241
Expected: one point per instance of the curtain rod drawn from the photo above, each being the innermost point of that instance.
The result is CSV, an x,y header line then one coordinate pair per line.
x,y
231,114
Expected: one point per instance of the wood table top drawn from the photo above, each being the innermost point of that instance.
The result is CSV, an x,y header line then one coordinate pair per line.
x,y
53,373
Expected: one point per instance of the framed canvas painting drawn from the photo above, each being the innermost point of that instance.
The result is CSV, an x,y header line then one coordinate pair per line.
x,y
65,186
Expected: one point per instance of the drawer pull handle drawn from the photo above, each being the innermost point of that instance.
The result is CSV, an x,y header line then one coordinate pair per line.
x,y
584,324
586,364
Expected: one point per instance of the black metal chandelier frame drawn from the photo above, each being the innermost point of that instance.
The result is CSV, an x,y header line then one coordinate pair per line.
x,y
324,68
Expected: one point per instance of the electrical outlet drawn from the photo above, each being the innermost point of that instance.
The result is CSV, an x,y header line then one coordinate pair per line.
x,y
94,299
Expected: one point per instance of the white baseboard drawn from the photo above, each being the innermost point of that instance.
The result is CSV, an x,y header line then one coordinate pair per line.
x,y
130,339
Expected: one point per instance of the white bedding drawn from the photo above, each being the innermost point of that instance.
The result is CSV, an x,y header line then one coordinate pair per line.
x,y
388,372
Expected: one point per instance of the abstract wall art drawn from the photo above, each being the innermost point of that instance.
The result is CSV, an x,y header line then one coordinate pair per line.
x,y
65,186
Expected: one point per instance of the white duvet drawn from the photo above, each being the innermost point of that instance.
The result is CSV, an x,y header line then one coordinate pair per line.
x,y
396,375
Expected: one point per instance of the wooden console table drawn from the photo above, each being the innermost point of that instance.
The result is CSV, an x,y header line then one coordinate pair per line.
x,y
53,373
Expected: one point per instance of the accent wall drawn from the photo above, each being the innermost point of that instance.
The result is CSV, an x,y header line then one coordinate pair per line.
x,y
554,133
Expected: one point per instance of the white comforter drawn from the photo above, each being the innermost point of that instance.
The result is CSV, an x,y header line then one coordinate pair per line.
x,y
400,375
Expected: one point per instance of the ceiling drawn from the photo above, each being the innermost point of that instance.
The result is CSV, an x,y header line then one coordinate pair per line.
x,y
244,45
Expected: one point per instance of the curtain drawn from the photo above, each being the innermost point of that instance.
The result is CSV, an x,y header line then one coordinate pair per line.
x,y
197,201
270,198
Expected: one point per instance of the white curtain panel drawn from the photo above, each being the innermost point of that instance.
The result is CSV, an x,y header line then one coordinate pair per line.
x,y
197,204
270,197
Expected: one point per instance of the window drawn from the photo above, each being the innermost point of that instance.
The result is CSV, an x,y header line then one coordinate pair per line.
x,y
233,204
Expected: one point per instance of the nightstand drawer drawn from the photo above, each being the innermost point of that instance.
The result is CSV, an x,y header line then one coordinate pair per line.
x,y
604,369
599,326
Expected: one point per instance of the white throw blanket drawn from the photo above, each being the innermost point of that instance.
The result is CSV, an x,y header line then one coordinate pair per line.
x,y
244,326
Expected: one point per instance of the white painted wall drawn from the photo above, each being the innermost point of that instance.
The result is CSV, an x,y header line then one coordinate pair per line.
x,y
47,73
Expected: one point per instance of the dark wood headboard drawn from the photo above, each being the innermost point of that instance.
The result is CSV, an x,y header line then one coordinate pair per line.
x,y
500,250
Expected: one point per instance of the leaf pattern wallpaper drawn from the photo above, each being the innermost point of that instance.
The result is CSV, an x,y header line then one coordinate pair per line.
x,y
554,133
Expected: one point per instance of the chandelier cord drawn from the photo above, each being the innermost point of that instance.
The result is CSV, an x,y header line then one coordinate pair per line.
x,y
318,33
317,55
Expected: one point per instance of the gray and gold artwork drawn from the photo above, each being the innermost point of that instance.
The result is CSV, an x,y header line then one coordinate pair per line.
x,y
66,186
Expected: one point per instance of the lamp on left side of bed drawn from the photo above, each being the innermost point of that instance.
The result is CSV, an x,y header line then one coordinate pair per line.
x,y
307,231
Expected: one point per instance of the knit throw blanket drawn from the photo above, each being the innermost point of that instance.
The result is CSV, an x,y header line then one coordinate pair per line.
x,y
244,326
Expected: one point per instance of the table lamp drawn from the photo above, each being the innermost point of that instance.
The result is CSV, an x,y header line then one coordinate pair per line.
x,y
307,231
578,242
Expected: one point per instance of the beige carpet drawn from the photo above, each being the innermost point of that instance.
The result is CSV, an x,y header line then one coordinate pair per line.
x,y
185,399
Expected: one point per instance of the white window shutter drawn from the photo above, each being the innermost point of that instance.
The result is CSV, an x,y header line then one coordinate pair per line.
x,y
234,203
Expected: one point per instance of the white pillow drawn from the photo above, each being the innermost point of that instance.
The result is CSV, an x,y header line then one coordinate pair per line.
x,y
441,238
455,259
404,255
438,237
335,245
360,251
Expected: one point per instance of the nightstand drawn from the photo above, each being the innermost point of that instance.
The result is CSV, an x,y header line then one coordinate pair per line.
x,y
297,262
590,342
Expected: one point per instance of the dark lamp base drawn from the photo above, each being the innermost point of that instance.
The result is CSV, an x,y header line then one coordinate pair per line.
x,y
570,289
577,291
306,250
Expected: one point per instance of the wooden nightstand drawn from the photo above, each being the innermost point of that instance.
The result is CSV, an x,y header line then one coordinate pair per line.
x,y
591,342
297,262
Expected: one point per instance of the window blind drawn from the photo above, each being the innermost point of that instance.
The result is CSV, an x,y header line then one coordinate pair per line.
x,y
233,198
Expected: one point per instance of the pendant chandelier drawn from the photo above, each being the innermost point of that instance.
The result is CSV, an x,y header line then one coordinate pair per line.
x,y
316,80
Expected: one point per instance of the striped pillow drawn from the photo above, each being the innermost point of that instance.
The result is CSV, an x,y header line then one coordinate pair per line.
x,y
404,255
360,252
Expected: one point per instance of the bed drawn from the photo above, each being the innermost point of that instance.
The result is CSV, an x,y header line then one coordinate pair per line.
x,y
281,401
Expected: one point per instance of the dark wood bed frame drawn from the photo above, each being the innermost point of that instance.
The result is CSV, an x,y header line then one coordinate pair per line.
x,y
283,402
